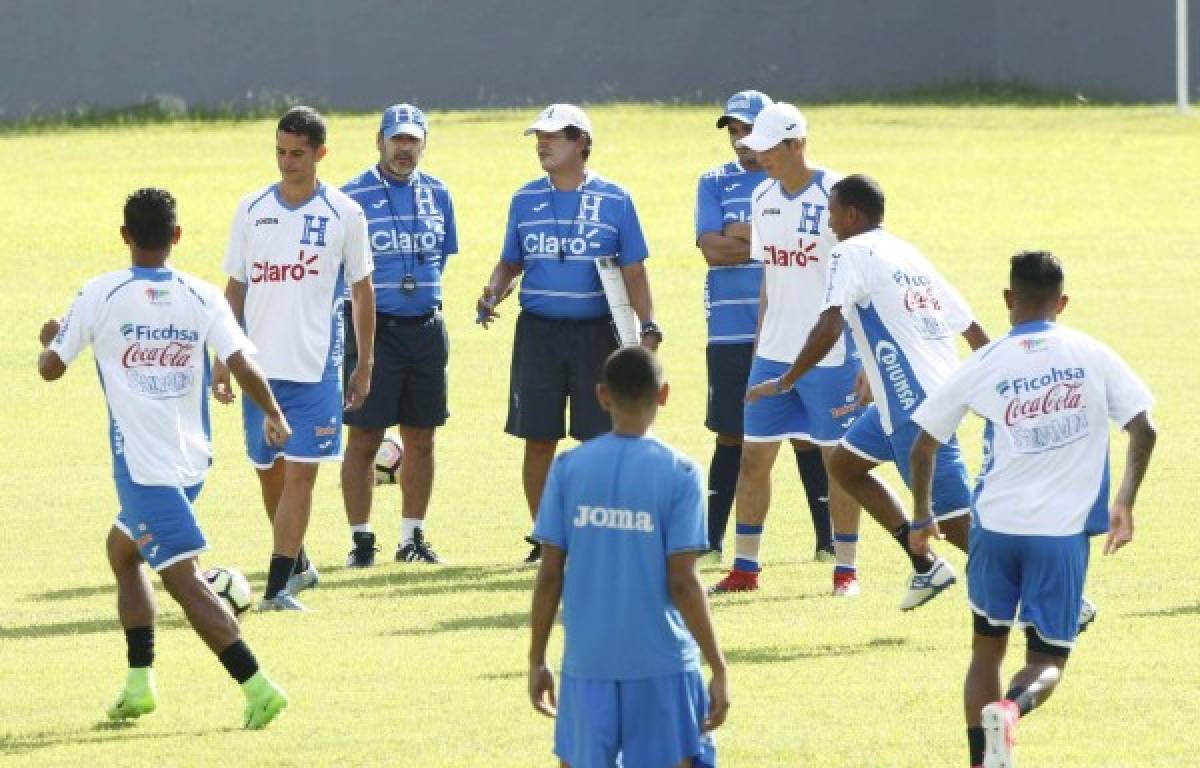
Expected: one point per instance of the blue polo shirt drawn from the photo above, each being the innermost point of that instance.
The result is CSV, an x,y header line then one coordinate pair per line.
x,y
731,293
620,506
556,236
412,232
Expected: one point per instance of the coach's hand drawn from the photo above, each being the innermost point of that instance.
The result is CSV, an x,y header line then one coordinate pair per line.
x,y
718,701
485,308
1120,528
276,429
541,690
49,330
222,387
739,229
357,388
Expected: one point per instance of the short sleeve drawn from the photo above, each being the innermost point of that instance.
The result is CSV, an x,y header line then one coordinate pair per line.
x,y
687,526
845,282
945,407
708,206
75,330
631,245
549,527
224,334
356,250
1127,395
236,251
511,251
450,240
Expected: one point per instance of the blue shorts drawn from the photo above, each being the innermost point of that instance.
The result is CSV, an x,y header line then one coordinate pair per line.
x,y
951,488
160,520
1028,581
314,412
650,723
820,407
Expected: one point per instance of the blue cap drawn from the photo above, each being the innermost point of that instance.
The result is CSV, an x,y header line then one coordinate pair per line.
x,y
744,106
402,118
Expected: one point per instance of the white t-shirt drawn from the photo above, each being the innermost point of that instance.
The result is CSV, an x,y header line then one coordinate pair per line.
x,y
792,238
291,261
149,330
1047,394
903,315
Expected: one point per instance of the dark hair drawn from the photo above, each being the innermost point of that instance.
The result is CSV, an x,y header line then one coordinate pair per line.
x,y
633,376
150,218
861,192
1036,277
573,132
306,122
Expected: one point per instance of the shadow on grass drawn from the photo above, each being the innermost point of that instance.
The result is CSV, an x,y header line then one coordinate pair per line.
x,y
81,627
774,655
100,733
424,575
1179,610
513,620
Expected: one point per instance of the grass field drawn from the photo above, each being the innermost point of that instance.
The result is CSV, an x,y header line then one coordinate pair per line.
x,y
411,666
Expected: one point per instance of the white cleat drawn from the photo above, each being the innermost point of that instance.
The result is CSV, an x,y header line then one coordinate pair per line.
x,y
1087,614
298,582
999,721
281,602
923,587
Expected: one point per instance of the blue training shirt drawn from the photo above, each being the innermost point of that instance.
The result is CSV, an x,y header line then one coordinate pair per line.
x,y
731,293
412,232
556,235
620,506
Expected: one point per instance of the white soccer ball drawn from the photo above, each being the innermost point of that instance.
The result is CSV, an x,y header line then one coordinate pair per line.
x,y
230,585
388,459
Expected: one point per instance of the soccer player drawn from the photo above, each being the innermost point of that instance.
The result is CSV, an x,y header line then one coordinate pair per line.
x,y
626,511
150,328
558,226
731,291
791,235
292,248
411,227
904,317
1047,394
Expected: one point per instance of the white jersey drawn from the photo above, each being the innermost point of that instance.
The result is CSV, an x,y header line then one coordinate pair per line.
x,y
291,261
1047,394
903,315
149,329
792,238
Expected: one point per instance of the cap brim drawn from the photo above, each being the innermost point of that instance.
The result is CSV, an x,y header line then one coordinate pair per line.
x,y
758,142
408,129
548,126
741,117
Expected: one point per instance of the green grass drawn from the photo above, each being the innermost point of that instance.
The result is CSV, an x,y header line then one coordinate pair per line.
x,y
411,666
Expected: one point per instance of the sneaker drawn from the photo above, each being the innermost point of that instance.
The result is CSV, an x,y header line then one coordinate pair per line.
x,y
845,584
283,601
535,553
824,554
417,551
1000,733
923,587
1087,614
298,582
139,697
735,581
363,554
264,701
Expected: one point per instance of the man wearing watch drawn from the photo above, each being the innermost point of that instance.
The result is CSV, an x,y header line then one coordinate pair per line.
x,y
558,225
411,228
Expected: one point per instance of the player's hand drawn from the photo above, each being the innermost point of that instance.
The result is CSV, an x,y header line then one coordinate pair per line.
x,y
541,690
485,308
862,389
739,229
1120,528
918,540
49,330
358,387
222,387
276,429
718,701
768,388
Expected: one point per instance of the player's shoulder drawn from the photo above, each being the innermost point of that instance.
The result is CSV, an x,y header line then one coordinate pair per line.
x,y
722,171
825,178
101,286
431,181
208,294
860,246
766,188
249,202
681,465
596,184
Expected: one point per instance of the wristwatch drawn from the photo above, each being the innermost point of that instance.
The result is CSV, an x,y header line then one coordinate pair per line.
x,y
650,328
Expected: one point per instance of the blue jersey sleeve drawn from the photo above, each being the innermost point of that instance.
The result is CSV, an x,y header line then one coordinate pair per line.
x,y
550,526
450,241
709,217
632,244
687,526
511,251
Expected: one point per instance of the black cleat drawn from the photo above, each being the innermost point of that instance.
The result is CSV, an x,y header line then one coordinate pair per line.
x,y
417,551
363,554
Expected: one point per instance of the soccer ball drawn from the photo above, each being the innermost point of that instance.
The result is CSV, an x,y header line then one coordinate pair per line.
x,y
230,585
388,459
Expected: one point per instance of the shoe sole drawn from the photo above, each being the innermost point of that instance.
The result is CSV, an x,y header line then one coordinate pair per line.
x,y
129,714
997,752
937,590
719,590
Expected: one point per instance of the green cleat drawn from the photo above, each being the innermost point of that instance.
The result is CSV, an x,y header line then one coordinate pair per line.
x,y
264,701
138,698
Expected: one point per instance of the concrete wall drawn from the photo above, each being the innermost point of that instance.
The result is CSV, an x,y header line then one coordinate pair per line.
x,y
358,54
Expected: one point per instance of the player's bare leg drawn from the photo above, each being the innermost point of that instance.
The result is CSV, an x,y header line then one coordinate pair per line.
x,y
535,467
751,504
206,612
136,609
358,490
271,482
845,512
416,484
290,525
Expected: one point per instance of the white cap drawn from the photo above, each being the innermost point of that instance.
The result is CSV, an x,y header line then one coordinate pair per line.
x,y
558,116
775,123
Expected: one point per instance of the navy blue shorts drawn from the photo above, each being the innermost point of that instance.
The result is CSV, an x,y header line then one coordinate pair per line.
x,y
408,381
555,360
728,372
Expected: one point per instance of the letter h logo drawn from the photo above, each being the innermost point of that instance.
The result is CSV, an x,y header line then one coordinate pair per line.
x,y
810,219
423,197
314,225
589,207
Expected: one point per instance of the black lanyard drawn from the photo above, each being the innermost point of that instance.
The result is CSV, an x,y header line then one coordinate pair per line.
x,y
409,283
562,241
